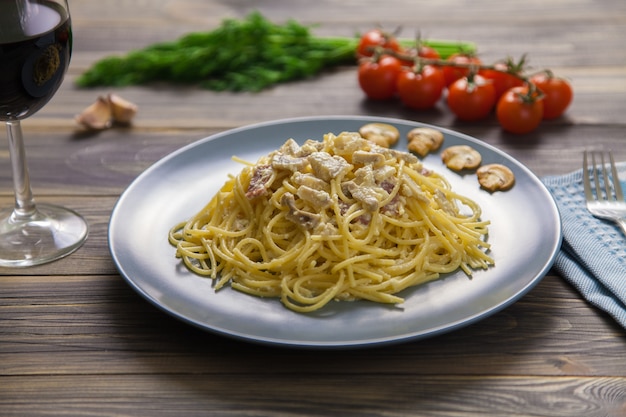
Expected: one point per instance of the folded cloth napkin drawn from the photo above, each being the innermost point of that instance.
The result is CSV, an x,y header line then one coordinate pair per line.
x,y
593,255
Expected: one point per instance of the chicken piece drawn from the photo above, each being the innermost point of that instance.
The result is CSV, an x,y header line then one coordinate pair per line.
x,y
319,200
445,204
347,143
309,147
369,158
310,181
384,173
367,196
290,147
327,167
393,153
289,163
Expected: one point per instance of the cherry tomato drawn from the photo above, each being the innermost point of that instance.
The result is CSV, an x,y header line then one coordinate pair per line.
x,y
557,92
471,98
520,111
454,73
503,77
422,88
422,51
377,78
426,51
376,37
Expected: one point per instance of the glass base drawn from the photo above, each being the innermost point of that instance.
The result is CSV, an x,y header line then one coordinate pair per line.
x,y
51,233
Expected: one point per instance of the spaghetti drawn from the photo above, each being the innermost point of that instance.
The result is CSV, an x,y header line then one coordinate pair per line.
x,y
340,219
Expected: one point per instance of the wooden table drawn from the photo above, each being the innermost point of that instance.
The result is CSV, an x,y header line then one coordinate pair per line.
x,y
75,339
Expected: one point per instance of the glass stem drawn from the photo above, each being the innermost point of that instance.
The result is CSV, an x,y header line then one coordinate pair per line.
x,y
24,202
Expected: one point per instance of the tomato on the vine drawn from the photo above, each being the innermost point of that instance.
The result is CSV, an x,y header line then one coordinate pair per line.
x,y
421,51
421,88
376,37
452,73
504,76
520,110
428,52
377,77
471,98
557,92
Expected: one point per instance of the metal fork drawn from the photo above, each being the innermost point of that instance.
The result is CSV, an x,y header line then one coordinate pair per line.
x,y
604,196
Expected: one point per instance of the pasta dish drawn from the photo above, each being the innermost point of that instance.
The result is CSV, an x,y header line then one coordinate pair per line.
x,y
337,219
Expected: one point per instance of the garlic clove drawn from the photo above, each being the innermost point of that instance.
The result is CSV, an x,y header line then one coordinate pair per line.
x,y
122,109
96,116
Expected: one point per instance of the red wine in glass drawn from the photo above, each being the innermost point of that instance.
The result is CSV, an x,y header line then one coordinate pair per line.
x,y
35,49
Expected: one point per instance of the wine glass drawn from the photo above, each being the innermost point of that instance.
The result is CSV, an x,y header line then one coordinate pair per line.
x,y
35,49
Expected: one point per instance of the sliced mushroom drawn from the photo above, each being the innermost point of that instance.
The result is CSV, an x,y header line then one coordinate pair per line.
x,y
423,140
461,157
495,177
382,134
96,116
299,217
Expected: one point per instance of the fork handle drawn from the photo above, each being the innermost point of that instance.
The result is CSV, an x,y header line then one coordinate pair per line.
x,y
622,223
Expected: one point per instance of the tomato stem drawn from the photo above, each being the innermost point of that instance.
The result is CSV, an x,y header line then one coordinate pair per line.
x,y
513,68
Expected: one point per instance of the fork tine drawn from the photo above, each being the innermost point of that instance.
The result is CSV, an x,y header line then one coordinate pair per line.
x,y
586,181
596,180
616,185
608,194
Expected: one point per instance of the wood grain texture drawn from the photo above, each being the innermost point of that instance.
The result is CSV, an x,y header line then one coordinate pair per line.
x,y
76,340
373,395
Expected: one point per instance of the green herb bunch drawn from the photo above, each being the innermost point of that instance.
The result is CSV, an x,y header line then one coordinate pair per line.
x,y
240,55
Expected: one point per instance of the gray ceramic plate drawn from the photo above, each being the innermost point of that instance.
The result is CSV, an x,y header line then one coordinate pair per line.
x,y
525,234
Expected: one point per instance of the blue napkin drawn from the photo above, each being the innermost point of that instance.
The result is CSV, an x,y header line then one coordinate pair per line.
x,y
593,255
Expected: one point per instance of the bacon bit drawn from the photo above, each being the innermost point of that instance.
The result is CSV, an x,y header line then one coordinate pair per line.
x,y
259,181
344,207
392,208
387,186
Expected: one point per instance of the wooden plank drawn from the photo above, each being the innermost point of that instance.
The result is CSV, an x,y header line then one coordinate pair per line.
x,y
104,327
335,394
